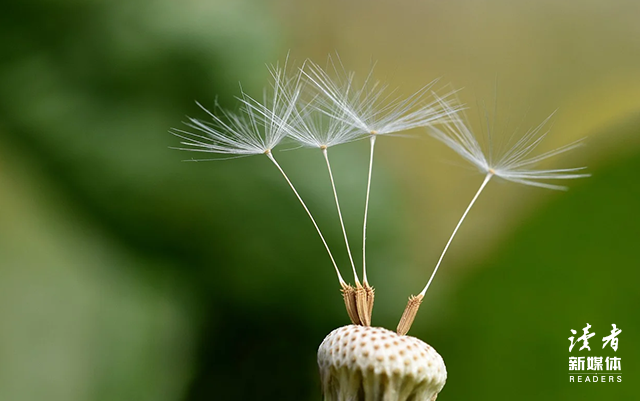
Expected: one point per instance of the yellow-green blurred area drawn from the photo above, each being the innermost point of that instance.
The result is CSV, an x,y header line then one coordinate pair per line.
x,y
128,274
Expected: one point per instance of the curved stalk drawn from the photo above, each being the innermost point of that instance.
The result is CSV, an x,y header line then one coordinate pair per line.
x,y
484,183
270,156
366,213
344,230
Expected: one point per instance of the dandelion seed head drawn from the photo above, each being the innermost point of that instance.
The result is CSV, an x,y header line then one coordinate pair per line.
x,y
257,127
516,164
371,107
311,128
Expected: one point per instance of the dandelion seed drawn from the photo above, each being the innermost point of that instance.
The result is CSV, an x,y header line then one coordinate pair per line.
x,y
312,129
516,164
258,128
370,109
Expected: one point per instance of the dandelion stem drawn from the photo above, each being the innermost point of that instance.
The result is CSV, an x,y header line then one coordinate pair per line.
x,y
366,213
344,230
484,183
270,156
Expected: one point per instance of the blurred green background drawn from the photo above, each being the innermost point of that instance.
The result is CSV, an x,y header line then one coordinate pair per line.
x,y
127,274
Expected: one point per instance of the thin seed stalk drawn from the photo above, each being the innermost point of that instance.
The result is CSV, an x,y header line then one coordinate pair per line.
x,y
344,230
413,305
335,266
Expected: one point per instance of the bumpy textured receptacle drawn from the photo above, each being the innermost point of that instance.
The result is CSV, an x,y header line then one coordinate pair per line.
x,y
359,363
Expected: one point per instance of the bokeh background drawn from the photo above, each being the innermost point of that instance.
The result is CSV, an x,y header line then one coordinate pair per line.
x,y
128,274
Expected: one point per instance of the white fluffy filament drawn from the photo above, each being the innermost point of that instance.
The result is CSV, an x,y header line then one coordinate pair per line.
x,y
515,164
